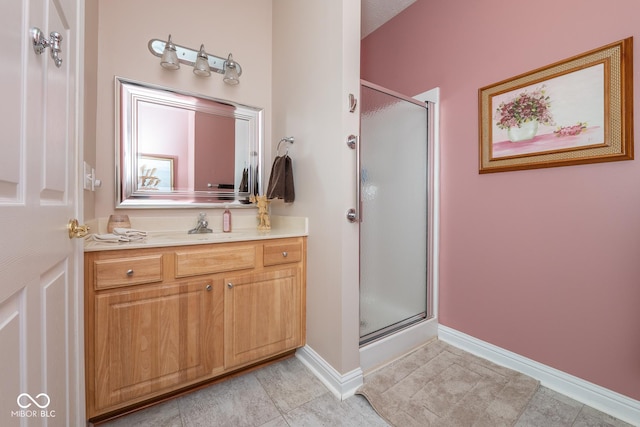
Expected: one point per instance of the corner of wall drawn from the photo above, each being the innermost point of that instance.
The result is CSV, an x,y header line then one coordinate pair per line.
x,y
342,386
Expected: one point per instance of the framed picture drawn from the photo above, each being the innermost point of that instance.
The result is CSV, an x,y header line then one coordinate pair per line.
x,y
575,111
155,173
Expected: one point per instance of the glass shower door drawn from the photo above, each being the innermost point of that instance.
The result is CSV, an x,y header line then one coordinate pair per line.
x,y
393,211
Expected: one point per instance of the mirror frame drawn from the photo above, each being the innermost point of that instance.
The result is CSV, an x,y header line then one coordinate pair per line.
x,y
127,94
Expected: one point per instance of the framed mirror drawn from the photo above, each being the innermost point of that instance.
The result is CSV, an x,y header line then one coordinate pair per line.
x,y
177,149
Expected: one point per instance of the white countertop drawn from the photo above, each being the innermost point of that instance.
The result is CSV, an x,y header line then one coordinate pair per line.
x,y
281,227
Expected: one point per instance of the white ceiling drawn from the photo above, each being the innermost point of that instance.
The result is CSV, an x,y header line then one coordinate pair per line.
x,y
377,12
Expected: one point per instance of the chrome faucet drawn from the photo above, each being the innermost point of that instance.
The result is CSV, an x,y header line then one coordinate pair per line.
x,y
202,226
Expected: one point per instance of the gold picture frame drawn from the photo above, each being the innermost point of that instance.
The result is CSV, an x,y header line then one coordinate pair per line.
x,y
576,111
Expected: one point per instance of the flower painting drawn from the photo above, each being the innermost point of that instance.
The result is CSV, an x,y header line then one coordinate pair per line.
x,y
565,113
523,108
569,111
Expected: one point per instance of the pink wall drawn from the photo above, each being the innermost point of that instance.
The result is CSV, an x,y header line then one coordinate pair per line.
x,y
215,156
544,263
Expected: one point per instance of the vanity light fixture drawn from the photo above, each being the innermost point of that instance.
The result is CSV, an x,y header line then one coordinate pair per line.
x,y
169,56
231,71
201,67
203,63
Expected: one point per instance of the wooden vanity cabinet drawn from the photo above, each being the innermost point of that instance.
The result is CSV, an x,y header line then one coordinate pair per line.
x,y
262,315
155,338
159,320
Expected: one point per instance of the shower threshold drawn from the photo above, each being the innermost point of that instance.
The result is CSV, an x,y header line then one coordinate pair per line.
x,y
384,332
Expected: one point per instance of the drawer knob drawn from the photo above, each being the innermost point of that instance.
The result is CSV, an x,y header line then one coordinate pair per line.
x,y
129,272
209,288
229,285
285,254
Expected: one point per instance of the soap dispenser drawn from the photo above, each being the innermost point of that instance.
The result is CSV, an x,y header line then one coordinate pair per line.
x,y
226,220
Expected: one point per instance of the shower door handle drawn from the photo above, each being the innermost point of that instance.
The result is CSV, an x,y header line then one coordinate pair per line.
x,y
354,214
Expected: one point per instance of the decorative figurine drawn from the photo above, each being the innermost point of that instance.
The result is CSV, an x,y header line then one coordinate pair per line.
x,y
263,211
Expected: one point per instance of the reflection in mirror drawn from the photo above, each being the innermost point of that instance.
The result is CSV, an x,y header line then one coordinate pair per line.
x,y
176,149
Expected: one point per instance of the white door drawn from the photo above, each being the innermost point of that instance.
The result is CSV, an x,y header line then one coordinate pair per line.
x,y
41,381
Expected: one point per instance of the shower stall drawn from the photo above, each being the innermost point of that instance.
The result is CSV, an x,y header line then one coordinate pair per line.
x,y
395,205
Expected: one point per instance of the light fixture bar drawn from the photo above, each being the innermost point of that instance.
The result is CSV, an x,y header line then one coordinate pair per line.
x,y
188,56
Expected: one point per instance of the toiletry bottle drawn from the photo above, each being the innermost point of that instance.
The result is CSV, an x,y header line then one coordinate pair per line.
x,y
226,220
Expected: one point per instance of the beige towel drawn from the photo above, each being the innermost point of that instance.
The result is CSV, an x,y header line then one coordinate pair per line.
x,y
120,235
108,238
130,233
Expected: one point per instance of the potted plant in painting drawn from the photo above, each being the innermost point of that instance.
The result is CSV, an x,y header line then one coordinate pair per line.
x,y
522,114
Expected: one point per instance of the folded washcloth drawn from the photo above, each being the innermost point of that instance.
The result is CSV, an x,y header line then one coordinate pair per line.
x,y
120,235
130,233
108,238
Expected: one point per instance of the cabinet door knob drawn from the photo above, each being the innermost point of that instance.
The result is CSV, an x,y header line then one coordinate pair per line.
x,y
285,254
129,273
209,288
229,285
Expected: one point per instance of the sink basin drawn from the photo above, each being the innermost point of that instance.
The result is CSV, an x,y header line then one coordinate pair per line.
x,y
178,237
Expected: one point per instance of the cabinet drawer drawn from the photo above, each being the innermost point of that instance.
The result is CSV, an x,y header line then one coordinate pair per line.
x,y
217,260
110,273
282,253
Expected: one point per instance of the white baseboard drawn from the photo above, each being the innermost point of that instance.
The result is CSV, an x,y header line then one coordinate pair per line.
x,y
600,398
341,385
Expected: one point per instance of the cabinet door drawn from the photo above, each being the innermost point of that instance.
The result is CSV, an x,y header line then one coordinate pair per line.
x,y
154,339
263,315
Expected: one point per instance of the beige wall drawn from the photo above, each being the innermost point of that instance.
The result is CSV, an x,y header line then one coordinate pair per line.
x,y
300,61
316,58
90,64
125,27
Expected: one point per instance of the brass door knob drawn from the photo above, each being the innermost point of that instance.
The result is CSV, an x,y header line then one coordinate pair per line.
x,y
77,230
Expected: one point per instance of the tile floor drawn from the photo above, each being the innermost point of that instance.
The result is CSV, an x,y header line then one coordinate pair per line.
x,y
288,394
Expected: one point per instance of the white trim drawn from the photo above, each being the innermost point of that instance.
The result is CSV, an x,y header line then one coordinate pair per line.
x,y
595,396
341,385
383,351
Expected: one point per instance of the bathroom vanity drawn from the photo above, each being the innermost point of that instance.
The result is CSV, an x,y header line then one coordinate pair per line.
x,y
187,307
170,314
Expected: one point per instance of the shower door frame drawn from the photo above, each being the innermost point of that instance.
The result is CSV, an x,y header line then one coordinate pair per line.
x,y
430,310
